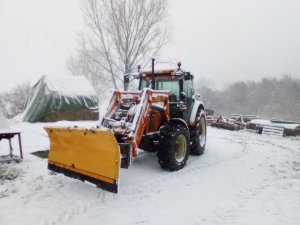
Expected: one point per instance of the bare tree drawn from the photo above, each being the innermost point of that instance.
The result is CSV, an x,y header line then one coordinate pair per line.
x,y
12,103
120,34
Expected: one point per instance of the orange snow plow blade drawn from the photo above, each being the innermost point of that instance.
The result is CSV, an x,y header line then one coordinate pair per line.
x,y
91,155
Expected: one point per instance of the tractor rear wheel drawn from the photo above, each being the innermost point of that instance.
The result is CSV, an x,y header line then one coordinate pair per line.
x,y
198,136
174,148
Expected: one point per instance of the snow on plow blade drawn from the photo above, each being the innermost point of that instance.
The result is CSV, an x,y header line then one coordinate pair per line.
x,y
91,155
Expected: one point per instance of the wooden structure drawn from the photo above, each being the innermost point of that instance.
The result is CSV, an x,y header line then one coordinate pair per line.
x,y
272,130
275,127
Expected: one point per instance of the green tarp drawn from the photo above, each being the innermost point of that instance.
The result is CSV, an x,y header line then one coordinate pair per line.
x,y
64,98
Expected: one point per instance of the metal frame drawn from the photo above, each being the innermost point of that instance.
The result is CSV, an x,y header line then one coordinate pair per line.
x,y
9,136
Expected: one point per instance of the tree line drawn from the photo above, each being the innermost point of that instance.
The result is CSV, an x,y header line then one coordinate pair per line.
x,y
269,98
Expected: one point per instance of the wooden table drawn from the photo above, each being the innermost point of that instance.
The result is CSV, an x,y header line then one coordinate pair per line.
x,y
9,135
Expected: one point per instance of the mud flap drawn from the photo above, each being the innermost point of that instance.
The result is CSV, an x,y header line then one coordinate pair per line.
x,y
91,155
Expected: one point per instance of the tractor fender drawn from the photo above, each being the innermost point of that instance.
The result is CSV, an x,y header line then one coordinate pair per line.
x,y
198,105
179,121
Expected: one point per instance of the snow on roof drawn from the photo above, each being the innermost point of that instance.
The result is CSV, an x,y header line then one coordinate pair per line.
x,y
162,66
261,122
69,85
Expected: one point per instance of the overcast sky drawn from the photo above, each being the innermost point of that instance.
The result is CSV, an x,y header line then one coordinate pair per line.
x,y
220,41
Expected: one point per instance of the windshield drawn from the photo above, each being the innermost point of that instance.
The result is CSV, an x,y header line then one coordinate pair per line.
x,y
168,85
163,84
145,83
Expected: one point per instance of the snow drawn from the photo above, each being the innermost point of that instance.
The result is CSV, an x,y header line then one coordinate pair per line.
x,y
269,123
70,85
242,178
4,126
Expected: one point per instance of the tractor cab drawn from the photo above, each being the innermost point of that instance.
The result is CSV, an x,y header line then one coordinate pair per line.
x,y
180,85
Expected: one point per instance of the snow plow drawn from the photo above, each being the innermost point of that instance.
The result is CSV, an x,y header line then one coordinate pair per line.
x,y
164,115
91,155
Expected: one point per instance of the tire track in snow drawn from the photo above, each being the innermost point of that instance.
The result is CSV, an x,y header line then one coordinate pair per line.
x,y
147,189
137,191
79,209
140,191
236,208
227,213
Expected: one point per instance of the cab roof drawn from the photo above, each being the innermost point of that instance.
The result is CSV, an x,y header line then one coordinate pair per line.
x,y
163,72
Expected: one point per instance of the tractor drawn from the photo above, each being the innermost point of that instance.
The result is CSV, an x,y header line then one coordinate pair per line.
x,y
164,115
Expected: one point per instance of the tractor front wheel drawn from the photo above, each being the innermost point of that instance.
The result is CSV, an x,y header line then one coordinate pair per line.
x,y
174,148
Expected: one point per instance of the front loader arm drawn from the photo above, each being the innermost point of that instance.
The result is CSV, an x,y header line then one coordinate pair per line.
x,y
97,154
142,116
130,130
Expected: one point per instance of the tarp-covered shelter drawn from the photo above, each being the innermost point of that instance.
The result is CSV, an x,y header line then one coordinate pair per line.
x,y
61,98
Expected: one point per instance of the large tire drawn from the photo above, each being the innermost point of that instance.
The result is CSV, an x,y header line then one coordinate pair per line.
x,y
198,136
174,147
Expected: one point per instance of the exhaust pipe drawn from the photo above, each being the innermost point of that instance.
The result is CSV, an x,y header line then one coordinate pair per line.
x,y
153,80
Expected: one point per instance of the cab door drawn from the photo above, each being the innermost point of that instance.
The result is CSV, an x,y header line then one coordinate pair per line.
x,y
189,92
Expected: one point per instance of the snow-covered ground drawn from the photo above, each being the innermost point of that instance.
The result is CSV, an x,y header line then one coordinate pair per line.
x,y
243,178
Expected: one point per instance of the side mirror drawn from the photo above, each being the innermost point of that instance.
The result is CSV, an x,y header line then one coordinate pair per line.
x,y
198,97
136,76
126,78
187,76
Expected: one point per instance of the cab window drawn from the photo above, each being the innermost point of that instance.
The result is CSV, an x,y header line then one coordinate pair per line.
x,y
168,85
188,88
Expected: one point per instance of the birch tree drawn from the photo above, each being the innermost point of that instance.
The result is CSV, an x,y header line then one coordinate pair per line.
x,y
119,35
